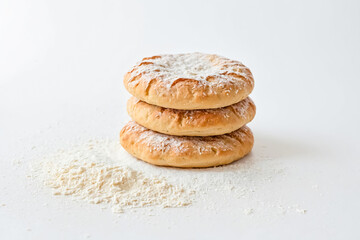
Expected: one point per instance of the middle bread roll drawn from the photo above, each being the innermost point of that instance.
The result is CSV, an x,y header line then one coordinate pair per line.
x,y
207,122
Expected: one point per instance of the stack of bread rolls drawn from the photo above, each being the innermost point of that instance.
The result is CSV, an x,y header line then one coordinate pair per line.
x,y
189,110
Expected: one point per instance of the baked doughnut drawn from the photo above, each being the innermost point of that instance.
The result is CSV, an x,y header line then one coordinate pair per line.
x,y
165,150
189,81
207,122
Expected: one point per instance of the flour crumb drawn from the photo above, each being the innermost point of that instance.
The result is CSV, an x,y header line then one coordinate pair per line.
x,y
315,186
302,211
248,211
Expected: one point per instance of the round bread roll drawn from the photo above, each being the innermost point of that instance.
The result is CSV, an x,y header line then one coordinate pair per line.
x,y
189,81
186,152
207,122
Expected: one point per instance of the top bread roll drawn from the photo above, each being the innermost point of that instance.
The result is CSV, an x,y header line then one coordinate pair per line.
x,y
189,81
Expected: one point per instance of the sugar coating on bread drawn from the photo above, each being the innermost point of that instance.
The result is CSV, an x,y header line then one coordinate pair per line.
x,y
189,81
206,122
180,151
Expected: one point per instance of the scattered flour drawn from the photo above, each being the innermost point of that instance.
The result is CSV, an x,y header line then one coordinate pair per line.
x,y
99,171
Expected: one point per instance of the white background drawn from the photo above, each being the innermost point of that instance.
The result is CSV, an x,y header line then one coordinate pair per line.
x,y
61,61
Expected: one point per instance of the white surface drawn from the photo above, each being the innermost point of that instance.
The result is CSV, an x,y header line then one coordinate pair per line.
x,y
61,66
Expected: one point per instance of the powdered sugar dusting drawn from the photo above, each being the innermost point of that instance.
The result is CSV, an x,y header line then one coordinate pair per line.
x,y
205,68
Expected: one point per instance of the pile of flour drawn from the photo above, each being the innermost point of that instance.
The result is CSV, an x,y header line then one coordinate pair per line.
x,y
86,171
121,187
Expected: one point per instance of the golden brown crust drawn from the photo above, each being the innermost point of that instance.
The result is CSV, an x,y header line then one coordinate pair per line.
x,y
208,122
185,152
189,81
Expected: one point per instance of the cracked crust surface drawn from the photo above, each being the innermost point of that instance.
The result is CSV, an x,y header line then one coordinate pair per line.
x,y
185,152
189,81
207,122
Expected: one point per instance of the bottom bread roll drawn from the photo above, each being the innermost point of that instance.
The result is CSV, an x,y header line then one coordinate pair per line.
x,y
186,152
